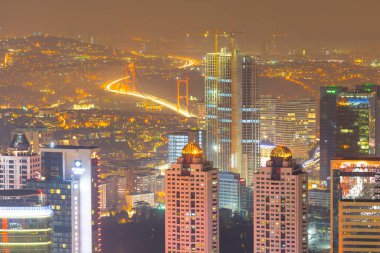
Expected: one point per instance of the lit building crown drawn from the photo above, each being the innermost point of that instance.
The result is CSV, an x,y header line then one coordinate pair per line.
x,y
282,152
192,149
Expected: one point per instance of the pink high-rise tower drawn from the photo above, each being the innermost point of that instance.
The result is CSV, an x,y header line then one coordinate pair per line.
x,y
192,204
280,206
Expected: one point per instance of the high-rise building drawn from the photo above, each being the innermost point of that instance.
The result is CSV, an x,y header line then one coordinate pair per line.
x,y
232,113
18,164
113,192
179,139
140,180
327,127
37,137
355,205
357,115
268,105
348,123
192,204
266,148
280,220
230,191
26,222
70,179
296,126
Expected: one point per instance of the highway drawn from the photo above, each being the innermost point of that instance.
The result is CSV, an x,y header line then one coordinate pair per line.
x,y
111,87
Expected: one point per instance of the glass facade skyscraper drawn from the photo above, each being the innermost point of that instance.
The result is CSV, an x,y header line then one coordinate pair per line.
x,y
70,180
327,127
348,123
232,113
356,120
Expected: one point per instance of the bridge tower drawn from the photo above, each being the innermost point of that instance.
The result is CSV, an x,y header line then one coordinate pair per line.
x,y
129,84
181,94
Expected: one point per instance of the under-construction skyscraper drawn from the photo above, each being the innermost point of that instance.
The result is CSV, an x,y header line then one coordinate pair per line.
x,y
232,112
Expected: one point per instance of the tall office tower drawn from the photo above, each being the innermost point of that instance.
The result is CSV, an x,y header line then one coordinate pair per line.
x,y
357,114
327,127
192,204
296,126
18,164
348,125
232,113
355,203
179,139
70,180
26,222
280,220
268,105
36,136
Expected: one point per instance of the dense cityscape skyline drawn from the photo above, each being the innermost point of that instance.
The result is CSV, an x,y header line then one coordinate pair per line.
x,y
181,126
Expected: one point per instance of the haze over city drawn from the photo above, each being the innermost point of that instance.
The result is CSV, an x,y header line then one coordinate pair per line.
x,y
178,126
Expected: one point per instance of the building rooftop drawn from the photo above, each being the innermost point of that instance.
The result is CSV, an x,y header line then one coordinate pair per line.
x,y
69,147
192,149
20,142
18,193
282,152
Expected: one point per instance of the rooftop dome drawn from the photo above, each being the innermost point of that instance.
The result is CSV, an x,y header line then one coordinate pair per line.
x,y
192,149
281,151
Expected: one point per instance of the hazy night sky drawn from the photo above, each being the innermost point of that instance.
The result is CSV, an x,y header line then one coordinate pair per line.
x,y
333,22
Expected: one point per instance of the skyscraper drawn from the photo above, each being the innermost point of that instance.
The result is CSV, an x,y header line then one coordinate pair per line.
x,y
232,113
268,105
18,164
178,140
192,204
355,203
280,220
349,125
327,127
26,222
296,126
70,180
356,123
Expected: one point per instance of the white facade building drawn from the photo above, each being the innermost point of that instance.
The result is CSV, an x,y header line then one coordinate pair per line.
x,y
18,164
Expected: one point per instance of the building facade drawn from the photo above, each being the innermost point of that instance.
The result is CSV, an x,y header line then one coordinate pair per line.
x,y
70,179
232,113
280,216
268,105
26,222
177,140
230,191
192,204
296,126
37,137
348,125
355,202
18,164
327,128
